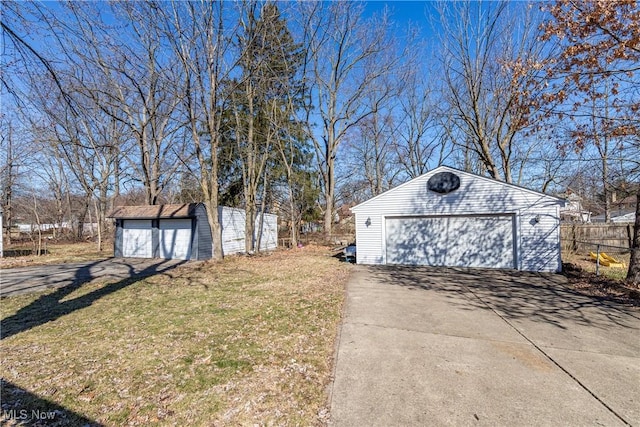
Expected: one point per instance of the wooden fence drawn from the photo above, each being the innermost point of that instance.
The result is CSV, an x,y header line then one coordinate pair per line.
x,y
585,237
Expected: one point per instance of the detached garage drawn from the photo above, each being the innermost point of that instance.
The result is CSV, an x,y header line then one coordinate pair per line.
x,y
452,218
183,232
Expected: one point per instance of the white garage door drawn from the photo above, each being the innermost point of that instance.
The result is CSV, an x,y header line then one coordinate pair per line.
x,y
136,238
175,238
455,241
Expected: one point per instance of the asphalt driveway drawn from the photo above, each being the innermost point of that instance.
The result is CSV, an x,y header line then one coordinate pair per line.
x,y
433,346
37,278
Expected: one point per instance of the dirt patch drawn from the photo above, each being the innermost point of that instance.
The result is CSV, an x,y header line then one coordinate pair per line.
x,y
587,283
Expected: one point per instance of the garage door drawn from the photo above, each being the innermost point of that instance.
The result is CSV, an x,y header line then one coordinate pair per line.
x,y
136,238
175,238
455,241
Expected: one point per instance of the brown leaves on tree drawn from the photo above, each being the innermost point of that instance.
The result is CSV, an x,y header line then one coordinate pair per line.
x,y
600,33
599,39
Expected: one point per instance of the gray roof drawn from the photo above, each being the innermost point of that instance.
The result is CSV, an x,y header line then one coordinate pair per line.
x,y
186,210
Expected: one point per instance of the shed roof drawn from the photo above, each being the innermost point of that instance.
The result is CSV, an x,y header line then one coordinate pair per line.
x,y
186,210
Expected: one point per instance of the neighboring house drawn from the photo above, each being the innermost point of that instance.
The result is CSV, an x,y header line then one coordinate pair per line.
x,y
573,210
33,228
183,232
624,216
452,218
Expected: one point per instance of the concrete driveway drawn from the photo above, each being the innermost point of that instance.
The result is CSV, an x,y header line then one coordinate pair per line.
x,y
37,278
433,346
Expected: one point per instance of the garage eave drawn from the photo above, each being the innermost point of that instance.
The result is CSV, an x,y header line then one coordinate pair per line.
x,y
176,211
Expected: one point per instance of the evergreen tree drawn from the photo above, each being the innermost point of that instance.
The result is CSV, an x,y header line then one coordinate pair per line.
x,y
264,97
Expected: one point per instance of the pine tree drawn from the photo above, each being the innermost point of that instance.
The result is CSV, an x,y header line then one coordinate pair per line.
x,y
264,98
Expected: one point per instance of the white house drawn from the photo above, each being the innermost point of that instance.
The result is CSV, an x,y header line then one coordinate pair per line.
x,y
629,217
573,210
452,218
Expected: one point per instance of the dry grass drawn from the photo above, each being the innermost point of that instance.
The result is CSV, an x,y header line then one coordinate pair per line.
x,y
248,341
610,284
586,264
56,253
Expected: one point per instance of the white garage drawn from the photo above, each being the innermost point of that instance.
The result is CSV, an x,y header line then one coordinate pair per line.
x,y
452,218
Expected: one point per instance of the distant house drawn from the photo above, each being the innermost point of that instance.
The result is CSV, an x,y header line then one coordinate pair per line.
x,y
620,217
573,210
626,217
622,211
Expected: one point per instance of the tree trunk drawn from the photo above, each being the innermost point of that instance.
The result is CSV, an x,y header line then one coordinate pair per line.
x,y
329,195
8,208
263,208
293,217
249,228
214,224
35,211
633,275
85,208
99,221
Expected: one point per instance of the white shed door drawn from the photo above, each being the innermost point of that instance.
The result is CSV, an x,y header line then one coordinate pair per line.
x,y
136,238
175,238
455,241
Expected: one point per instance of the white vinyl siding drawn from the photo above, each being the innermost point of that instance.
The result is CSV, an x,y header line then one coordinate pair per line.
x,y
175,238
136,238
233,222
269,237
536,244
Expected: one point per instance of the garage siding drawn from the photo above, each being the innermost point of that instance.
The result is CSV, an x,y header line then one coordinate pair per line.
x,y
540,241
202,242
233,222
537,244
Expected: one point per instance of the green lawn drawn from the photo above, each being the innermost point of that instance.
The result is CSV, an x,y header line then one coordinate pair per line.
x,y
242,342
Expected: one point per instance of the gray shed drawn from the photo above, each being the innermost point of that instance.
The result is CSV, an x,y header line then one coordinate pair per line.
x,y
182,231
452,218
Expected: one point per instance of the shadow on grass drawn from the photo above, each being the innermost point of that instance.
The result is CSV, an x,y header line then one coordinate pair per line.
x,y
20,407
49,307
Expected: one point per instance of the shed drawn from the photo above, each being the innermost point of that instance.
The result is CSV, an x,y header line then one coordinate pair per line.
x,y
182,231
452,218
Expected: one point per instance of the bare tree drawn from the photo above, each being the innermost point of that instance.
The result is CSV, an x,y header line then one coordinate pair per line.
x,y
490,58
198,34
372,152
8,173
599,43
419,138
347,57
